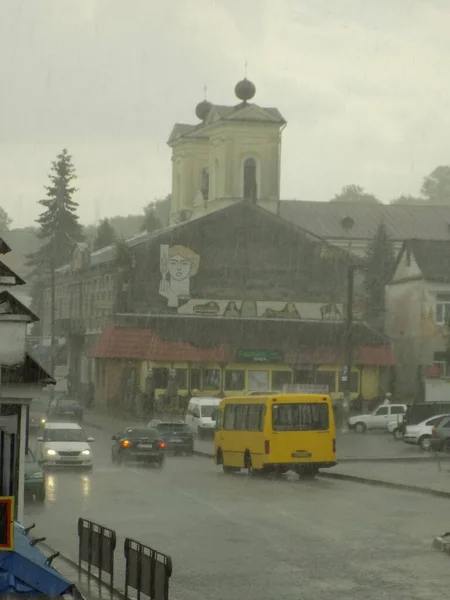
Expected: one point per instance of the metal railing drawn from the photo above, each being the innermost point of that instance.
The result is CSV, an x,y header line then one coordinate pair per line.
x,y
96,546
146,570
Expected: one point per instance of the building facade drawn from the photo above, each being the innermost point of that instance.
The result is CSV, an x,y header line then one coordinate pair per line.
x,y
418,312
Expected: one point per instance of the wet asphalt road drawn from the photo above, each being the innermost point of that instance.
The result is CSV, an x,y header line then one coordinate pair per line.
x,y
230,536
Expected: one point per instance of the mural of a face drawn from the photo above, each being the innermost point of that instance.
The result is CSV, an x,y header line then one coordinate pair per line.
x,y
177,265
179,268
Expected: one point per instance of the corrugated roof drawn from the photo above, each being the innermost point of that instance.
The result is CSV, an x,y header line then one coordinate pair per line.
x,y
432,257
403,222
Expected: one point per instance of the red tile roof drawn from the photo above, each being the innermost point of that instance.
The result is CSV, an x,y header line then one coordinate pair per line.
x,y
145,344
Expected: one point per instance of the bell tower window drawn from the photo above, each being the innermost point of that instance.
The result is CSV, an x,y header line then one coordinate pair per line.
x,y
250,187
204,185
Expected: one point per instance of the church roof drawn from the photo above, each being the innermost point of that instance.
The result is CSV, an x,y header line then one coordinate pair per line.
x,y
243,112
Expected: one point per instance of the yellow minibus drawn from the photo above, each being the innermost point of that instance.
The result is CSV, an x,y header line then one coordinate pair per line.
x,y
275,433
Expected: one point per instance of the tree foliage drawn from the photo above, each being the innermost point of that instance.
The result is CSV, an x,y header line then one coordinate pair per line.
x,y
106,235
436,186
379,264
151,220
59,229
5,220
355,193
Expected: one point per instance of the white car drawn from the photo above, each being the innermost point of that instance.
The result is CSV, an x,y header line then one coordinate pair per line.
x,y
378,419
421,433
64,444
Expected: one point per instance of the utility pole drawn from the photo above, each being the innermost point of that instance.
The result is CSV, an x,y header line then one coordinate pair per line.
x,y
52,321
348,336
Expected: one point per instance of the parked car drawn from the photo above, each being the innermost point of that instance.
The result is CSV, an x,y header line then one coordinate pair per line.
x,y
416,413
138,443
176,435
198,415
66,409
440,436
37,413
34,484
422,432
378,419
64,444
396,427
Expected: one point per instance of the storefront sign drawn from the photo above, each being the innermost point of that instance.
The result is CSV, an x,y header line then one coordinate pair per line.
x,y
259,356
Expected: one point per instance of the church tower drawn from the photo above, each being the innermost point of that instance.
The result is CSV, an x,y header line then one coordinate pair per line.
x,y
232,154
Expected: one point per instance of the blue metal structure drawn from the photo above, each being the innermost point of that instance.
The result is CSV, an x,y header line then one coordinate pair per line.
x,y
27,571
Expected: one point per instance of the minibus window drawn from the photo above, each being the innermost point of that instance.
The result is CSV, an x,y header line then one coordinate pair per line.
x,y
300,417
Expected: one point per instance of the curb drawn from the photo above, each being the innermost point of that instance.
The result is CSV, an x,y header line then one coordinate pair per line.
x,y
387,484
80,569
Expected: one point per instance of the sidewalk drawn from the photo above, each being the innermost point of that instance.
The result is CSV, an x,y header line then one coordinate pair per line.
x,y
431,477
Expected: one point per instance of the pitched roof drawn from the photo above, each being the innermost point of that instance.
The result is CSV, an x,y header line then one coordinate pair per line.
x,y
29,371
326,219
145,344
4,248
432,258
118,342
8,277
11,305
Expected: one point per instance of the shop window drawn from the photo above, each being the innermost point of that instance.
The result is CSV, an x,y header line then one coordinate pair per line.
x,y
235,380
161,377
354,383
181,378
442,308
196,379
258,381
211,379
327,378
280,379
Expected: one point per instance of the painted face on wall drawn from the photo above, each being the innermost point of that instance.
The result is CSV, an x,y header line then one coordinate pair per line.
x,y
179,268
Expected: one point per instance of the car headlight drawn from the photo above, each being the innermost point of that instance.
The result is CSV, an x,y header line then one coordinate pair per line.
x,y
51,452
86,452
42,420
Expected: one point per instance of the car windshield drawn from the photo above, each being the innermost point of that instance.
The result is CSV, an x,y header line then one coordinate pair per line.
x,y
300,417
133,433
207,410
66,403
173,427
65,435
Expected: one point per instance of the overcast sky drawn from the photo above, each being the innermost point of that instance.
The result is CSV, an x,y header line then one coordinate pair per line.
x,y
363,84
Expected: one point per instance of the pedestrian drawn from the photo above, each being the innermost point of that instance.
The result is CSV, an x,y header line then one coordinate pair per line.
x,y
387,399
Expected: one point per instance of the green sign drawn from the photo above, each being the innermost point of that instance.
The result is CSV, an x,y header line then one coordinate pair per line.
x,y
260,356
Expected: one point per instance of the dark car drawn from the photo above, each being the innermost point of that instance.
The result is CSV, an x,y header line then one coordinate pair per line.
x,y
440,436
37,414
138,443
416,413
176,435
66,409
34,484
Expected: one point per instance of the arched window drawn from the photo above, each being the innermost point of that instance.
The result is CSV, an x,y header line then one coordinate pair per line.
x,y
178,192
250,190
204,184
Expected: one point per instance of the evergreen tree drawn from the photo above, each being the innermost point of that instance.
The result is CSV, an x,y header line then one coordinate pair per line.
x,y
379,263
106,235
151,219
59,227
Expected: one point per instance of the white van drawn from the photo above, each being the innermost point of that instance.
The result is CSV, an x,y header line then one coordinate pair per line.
x,y
198,415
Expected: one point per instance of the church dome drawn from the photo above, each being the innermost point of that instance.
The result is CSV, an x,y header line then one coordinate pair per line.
x,y
245,90
202,109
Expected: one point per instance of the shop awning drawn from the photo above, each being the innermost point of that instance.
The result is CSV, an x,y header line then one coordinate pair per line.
x,y
25,571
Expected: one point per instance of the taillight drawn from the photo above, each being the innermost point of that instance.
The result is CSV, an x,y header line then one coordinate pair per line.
x,y
162,445
267,446
334,444
434,431
126,443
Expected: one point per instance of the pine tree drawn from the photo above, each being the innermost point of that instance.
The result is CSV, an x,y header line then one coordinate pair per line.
x,y
379,263
59,227
106,235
